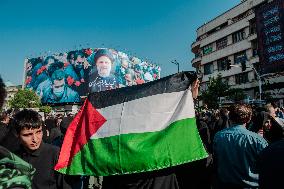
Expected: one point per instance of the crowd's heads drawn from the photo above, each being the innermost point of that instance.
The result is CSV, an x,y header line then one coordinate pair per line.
x,y
240,113
2,93
270,109
27,119
49,61
224,112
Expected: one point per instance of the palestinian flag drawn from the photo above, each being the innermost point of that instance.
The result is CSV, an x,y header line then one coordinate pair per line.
x,y
133,129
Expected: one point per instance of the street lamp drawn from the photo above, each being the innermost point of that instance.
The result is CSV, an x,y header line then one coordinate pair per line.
x,y
258,77
176,63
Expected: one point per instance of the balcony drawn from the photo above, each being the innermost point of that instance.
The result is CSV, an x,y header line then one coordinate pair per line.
x,y
227,51
252,37
228,30
195,61
195,46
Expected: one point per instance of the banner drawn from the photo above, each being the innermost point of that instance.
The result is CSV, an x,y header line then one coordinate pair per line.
x,y
270,27
65,77
135,129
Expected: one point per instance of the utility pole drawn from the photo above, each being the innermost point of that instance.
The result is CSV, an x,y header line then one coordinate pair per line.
x,y
259,82
176,63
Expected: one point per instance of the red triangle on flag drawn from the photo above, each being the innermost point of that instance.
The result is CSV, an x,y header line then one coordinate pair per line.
x,y
84,125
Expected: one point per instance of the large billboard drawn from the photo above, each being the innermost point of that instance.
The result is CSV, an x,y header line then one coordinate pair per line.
x,y
66,77
270,31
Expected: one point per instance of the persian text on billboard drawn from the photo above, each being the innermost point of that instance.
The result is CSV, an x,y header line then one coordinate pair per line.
x,y
270,27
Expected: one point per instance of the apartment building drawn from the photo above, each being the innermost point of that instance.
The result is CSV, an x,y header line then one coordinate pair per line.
x,y
232,37
11,90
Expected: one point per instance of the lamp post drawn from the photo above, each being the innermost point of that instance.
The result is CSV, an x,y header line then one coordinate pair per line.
x,y
176,63
259,82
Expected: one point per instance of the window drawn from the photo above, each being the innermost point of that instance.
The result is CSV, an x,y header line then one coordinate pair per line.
x,y
240,57
241,78
208,68
242,16
207,49
222,64
197,55
254,48
221,43
238,36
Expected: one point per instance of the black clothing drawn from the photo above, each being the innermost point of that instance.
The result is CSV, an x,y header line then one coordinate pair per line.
x,y
43,160
162,179
271,166
275,133
10,140
50,123
65,124
54,133
3,130
194,175
204,134
220,124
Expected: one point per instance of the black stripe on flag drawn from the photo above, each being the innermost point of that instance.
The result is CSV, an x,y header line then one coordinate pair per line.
x,y
173,83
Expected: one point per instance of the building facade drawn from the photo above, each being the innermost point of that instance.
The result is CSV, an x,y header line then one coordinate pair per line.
x,y
231,38
11,90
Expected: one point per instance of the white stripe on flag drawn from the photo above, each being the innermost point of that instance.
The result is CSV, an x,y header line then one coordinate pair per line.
x,y
149,114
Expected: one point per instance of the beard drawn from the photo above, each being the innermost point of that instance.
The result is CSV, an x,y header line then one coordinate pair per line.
x,y
104,72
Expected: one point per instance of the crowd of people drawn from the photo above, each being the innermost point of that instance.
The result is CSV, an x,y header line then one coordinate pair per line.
x,y
245,145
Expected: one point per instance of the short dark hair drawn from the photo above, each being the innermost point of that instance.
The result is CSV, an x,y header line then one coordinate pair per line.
x,y
3,116
27,119
240,113
2,92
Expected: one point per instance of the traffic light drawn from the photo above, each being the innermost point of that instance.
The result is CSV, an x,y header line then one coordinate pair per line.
x,y
228,62
244,67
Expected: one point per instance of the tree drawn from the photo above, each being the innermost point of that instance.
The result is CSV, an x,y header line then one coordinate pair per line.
x,y
45,109
25,98
236,94
216,89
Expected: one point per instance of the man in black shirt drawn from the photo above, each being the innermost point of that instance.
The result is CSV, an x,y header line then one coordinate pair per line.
x,y
40,155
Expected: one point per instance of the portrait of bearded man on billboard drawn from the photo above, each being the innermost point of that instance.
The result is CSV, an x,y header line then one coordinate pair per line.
x,y
101,77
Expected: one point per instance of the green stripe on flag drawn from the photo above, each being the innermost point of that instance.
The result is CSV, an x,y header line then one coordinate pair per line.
x,y
132,153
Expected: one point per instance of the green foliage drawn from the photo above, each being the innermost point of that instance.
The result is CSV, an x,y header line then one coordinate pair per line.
x,y
45,109
25,98
218,88
236,94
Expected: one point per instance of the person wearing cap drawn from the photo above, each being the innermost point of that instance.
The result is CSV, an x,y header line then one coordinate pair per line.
x,y
101,78
59,92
